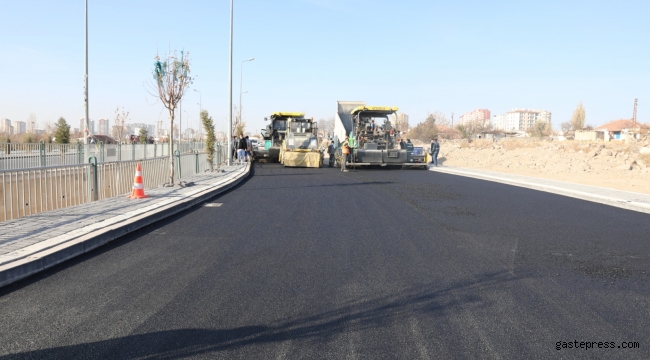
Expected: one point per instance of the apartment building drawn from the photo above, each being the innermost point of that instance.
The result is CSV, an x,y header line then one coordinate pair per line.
x,y
6,127
480,116
82,125
103,127
20,127
519,119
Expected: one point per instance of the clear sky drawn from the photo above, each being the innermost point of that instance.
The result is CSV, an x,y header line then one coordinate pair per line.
x,y
423,56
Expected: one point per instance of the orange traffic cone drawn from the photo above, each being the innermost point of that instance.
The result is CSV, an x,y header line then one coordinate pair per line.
x,y
138,186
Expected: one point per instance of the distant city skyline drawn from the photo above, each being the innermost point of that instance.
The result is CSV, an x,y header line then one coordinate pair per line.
x,y
434,62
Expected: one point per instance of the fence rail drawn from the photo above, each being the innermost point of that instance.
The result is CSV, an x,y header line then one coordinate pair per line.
x,y
25,192
15,156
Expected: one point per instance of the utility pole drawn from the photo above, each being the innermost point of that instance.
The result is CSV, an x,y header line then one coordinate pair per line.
x,y
452,120
87,118
230,92
636,101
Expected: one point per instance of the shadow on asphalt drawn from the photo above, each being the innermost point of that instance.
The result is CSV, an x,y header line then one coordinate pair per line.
x,y
426,300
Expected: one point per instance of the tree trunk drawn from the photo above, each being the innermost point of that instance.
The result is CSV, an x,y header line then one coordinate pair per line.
x,y
171,146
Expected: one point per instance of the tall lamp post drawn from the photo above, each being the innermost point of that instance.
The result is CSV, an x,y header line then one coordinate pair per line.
x,y
200,109
230,144
241,78
87,118
200,102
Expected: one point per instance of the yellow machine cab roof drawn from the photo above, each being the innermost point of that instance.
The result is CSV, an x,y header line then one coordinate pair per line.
x,y
287,115
375,109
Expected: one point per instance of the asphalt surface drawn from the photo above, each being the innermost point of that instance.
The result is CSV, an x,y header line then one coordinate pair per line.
x,y
370,264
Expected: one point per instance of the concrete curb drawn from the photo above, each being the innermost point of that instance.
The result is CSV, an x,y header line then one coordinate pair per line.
x,y
95,237
582,195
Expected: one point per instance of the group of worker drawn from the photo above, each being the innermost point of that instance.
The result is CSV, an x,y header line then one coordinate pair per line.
x,y
242,149
348,144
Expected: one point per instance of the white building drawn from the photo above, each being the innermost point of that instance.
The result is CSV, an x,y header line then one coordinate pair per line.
x,y
151,130
103,127
478,116
519,119
82,125
6,127
20,127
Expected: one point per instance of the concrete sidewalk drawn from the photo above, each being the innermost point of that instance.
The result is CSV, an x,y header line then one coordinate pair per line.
x,y
623,199
34,243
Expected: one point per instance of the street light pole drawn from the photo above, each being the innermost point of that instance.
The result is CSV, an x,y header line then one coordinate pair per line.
x,y
241,78
87,118
230,144
200,102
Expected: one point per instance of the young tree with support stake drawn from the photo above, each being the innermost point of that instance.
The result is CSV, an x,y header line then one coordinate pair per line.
x,y
172,76
210,139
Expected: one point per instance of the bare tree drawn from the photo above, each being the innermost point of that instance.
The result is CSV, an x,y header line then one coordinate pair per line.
x,y
327,125
566,127
172,79
239,128
120,123
540,129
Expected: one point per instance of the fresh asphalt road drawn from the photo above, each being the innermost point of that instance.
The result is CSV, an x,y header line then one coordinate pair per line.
x,y
372,264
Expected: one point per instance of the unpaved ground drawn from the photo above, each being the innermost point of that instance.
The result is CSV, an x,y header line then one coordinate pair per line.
x,y
615,165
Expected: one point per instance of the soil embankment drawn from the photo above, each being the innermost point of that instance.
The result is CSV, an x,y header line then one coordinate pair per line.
x,y
616,165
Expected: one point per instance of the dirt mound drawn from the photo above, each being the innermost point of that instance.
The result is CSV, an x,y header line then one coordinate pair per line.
x,y
617,165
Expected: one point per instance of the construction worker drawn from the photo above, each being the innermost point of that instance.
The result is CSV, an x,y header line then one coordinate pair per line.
x,y
330,151
345,152
435,149
409,146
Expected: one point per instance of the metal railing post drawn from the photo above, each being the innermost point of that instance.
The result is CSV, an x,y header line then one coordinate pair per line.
x,y
41,152
119,151
101,151
145,150
196,152
93,191
132,151
177,153
80,153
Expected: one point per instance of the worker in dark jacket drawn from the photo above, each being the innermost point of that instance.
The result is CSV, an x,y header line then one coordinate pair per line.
x,y
402,144
241,149
330,151
435,149
409,146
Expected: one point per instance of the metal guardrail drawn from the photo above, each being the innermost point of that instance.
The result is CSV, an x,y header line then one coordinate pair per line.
x,y
26,192
28,156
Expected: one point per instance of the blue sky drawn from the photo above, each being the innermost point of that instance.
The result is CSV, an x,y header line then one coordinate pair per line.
x,y
423,56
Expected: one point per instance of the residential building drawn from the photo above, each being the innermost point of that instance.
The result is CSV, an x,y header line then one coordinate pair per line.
x,y
151,130
6,127
31,123
31,126
621,129
103,127
519,119
480,116
82,125
134,129
20,127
